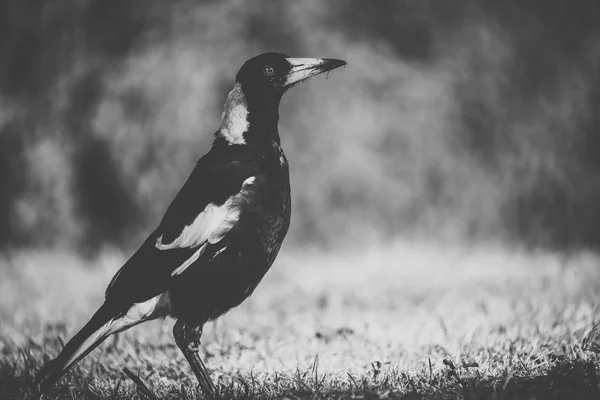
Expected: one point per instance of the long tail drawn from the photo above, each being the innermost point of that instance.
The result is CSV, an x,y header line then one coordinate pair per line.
x,y
102,325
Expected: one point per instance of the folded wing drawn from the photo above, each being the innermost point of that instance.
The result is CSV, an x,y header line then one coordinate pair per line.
x,y
205,210
209,227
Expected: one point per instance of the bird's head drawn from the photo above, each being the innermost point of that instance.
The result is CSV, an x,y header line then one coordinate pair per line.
x,y
269,75
260,84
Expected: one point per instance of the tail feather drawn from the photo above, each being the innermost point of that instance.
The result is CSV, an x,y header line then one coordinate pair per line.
x,y
108,319
86,340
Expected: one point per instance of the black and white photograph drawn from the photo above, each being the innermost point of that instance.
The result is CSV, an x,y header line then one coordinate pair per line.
x,y
299,200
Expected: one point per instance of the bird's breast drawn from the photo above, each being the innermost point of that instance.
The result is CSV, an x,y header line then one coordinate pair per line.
x,y
272,218
279,221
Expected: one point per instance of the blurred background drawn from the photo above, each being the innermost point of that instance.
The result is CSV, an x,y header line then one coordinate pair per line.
x,y
455,122
446,182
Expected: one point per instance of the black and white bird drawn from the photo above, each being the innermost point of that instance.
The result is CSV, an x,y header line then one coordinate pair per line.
x,y
221,233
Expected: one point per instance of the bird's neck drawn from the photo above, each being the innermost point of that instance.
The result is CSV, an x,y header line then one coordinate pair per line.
x,y
247,120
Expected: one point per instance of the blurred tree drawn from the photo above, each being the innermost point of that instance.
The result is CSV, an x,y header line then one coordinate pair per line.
x,y
467,119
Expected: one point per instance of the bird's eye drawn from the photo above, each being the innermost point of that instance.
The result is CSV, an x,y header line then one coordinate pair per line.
x,y
269,70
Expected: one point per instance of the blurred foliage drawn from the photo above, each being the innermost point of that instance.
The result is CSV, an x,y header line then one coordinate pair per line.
x,y
462,121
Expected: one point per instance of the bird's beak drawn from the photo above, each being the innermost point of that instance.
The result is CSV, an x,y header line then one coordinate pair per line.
x,y
304,68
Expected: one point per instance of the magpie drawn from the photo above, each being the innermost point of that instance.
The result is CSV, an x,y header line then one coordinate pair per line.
x,y
220,234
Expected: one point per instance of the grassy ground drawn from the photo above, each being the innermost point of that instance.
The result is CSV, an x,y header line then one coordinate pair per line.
x,y
409,322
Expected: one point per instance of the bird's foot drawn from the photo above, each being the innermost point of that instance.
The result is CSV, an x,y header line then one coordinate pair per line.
x,y
201,373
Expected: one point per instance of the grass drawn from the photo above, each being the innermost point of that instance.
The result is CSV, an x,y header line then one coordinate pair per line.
x,y
412,321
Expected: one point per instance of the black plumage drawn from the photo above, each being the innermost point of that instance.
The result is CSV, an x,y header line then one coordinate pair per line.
x,y
221,233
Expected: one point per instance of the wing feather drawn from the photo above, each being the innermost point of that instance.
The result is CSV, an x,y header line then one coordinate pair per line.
x,y
201,229
206,209
209,227
189,261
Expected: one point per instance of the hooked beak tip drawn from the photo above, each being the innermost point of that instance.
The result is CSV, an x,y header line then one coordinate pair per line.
x,y
332,63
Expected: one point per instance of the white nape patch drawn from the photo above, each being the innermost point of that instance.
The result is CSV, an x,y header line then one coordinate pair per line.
x,y
156,307
210,226
234,120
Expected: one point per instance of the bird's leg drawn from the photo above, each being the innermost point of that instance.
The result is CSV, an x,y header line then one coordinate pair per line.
x,y
188,340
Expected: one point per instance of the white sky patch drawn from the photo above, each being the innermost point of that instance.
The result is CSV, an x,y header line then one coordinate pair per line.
x,y
234,120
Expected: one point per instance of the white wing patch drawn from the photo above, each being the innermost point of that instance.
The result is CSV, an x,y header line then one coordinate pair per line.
x,y
209,227
189,261
213,219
